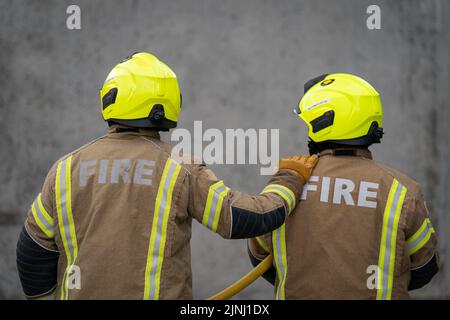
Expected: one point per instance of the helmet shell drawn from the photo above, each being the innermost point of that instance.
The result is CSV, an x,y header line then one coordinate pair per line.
x,y
138,84
351,102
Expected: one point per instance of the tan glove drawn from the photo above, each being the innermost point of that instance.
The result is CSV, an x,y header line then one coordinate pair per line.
x,y
303,165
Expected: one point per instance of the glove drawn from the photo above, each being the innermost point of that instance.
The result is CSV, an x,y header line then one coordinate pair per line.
x,y
302,165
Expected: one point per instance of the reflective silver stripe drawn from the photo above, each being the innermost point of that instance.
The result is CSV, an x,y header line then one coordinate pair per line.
x,y
42,218
280,263
292,201
284,192
65,218
213,208
388,244
159,228
278,255
421,237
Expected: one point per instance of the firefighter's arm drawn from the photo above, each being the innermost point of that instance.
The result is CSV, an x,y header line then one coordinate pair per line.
x,y
36,252
258,249
421,244
237,215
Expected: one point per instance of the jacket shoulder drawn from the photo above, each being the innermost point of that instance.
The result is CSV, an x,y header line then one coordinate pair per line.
x,y
189,162
405,180
80,149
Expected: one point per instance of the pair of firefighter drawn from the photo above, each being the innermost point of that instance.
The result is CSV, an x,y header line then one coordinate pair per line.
x,y
121,205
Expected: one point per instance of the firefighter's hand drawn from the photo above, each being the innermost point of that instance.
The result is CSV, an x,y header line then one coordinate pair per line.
x,y
302,165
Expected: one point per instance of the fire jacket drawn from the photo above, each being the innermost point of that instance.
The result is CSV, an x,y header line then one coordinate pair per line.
x,y
360,231
113,219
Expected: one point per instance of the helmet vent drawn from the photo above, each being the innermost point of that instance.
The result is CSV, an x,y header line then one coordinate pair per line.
x,y
109,98
322,122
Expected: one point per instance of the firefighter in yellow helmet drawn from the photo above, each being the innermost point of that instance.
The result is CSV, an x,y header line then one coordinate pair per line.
x,y
362,229
113,220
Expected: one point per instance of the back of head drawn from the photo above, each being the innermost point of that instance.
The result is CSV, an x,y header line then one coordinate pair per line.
x,y
141,92
341,110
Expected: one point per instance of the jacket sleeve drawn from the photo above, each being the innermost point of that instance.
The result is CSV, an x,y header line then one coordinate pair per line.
x,y
236,215
36,251
421,244
258,249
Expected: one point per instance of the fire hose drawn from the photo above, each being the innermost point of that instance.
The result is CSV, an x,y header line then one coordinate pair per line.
x,y
245,281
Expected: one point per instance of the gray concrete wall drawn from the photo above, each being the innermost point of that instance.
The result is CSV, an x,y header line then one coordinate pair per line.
x,y
240,64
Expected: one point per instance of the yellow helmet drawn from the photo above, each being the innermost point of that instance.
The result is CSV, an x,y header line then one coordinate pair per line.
x,y
141,91
341,108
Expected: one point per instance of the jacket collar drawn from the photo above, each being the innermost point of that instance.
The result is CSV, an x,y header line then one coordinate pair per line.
x,y
356,152
120,130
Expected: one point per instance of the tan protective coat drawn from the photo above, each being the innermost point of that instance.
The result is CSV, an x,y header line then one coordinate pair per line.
x,y
332,239
114,187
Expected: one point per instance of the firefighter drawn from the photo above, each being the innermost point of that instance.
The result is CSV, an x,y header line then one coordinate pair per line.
x,y
113,220
362,229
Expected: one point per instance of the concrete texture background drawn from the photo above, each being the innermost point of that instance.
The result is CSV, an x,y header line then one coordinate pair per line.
x,y
241,64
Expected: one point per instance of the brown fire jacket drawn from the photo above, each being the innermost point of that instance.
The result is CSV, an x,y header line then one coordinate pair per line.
x,y
119,211
359,232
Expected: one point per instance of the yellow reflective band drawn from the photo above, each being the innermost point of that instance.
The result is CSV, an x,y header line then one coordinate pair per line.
x,y
262,243
284,192
43,211
222,195
381,259
394,241
421,243
65,218
386,260
284,259
277,260
209,199
280,193
69,207
280,258
216,193
430,225
59,211
420,238
162,244
61,226
42,218
418,233
158,234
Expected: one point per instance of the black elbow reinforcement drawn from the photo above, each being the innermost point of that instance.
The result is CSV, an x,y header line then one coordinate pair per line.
x,y
269,275
249,224
37,266
424,274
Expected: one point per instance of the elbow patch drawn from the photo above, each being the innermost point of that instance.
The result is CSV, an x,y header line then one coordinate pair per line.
x,y
37,266
249,224
424,274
